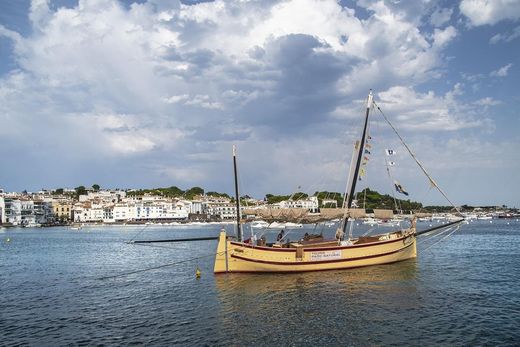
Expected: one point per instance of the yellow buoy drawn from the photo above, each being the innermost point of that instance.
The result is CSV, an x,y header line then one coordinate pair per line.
x,y
197,272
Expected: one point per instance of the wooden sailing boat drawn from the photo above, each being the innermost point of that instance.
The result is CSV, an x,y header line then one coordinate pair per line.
x,y
235,255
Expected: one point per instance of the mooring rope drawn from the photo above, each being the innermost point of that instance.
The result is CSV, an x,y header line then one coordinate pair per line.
x,y
138,233
156,246
160,266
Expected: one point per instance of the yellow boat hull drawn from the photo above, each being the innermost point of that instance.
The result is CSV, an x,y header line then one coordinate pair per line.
x,y
242,257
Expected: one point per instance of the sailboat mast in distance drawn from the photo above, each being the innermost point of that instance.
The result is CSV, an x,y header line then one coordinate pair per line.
x,y
237,195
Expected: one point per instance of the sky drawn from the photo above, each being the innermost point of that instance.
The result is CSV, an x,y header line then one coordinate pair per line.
x,y
141,94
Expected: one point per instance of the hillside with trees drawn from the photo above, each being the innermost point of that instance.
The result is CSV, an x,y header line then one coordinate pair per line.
x,y
367,198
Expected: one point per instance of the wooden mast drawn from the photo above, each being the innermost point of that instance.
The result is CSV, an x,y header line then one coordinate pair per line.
x,y
237,195
350,197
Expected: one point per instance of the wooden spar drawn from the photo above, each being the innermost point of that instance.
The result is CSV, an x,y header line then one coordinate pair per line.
x,y
178,240
237,195
358,161
438,227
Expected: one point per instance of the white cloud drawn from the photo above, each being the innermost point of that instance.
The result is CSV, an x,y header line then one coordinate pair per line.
x,y
443,37
506,37
166,88
482,12
428,111
174,99
502,72
441,16
487,101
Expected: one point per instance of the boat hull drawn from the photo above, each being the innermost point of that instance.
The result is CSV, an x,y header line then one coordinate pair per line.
x,y
242,257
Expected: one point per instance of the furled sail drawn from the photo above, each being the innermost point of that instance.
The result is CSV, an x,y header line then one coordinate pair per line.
x,y
303,215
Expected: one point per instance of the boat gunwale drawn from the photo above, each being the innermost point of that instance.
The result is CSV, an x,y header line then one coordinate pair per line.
x,y
318,262
368,244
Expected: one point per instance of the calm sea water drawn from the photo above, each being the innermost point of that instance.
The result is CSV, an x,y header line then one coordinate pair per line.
x,y
464,290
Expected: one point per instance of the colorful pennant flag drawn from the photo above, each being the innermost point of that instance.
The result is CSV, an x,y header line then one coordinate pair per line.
x,y
367,151
368,145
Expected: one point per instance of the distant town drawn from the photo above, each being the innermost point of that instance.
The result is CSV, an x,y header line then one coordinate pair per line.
x,y
94,205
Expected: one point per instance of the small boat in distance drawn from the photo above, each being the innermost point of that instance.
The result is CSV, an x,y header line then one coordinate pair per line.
x,y
314,253
259,224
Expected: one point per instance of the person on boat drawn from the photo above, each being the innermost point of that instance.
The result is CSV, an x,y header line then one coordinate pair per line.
x,y
280,236
339,234
261,241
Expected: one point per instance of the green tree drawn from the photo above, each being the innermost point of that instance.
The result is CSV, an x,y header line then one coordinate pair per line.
x,y
81,190
217,195
193,192
273,199
96,187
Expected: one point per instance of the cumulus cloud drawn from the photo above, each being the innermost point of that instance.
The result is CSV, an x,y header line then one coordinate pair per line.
x,y
166,87
502,72
482,12
428,111
441,16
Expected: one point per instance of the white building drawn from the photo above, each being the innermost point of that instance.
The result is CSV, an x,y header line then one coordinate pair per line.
x,y
13,211
2,210
162,210
123,212
43,211
88,212
310,203
149,210
222,210
107,196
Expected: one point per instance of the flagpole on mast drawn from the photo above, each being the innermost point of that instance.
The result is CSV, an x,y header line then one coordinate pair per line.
x,y
391,182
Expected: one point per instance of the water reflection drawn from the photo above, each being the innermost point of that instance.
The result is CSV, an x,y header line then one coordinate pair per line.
x,y
259,307
347,280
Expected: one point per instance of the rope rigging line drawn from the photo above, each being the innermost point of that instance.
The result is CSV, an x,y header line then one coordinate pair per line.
x,y
160,266
433,183
155,246
137,234
442,239
433,234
